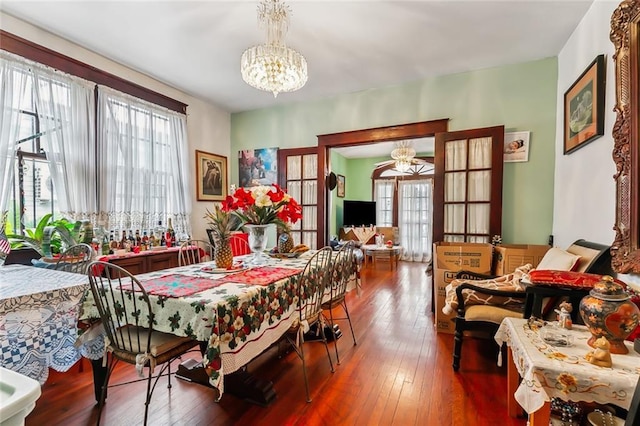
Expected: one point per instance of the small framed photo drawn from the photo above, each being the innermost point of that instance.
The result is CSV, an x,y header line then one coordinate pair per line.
x,y
516,147
584,107
211,176
340,186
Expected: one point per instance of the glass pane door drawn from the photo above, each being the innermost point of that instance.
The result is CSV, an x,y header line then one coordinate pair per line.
x,y
299,176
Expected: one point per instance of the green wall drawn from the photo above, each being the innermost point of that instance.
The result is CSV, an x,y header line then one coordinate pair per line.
x,y
520,96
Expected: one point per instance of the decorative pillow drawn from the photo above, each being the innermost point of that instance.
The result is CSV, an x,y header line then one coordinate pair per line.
x,y
567,279
559,260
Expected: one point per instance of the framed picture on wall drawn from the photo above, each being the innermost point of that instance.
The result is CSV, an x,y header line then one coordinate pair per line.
x,y
516,147
584,107
257,167
340,186
211,176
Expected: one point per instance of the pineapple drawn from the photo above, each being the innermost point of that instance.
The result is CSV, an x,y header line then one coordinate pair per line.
x,y
285,240
222,223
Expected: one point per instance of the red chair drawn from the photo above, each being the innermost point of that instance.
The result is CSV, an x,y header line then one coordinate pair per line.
x,y
240,244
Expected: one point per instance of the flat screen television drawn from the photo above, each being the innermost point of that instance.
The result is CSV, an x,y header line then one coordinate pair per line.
x,y
358,213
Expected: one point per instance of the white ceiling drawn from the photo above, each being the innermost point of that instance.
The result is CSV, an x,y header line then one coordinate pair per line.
x,y
383,149
350,46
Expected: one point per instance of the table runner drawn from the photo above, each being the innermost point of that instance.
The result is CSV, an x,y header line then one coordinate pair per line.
x,y
177,285
263,275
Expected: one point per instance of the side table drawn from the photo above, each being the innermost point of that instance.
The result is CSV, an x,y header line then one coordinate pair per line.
x,y
374,252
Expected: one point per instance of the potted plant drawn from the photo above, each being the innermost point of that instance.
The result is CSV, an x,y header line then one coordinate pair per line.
x,y
51,236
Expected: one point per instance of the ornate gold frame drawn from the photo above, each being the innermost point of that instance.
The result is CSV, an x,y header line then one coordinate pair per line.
x,y
625,29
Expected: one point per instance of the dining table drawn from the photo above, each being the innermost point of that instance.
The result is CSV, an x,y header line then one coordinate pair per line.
x,y
236,313
542,367
38,317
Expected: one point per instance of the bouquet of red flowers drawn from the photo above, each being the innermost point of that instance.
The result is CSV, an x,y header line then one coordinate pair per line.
x,y
262,205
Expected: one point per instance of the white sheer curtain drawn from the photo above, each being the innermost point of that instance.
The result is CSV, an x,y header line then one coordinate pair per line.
x,y
459,192
14,83
415,207
66,108
383,196
142,164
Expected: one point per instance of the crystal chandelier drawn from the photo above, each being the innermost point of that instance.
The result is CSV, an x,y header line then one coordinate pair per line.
x,y
272,66
403,154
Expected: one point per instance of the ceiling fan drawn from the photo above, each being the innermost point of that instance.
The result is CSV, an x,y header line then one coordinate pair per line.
x,y
403,156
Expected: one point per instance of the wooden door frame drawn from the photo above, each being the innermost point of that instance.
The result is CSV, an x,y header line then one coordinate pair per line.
x,y
497,137
283,153
360,137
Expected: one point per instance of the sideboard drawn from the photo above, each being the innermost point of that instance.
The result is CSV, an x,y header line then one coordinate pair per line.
x,y
145,261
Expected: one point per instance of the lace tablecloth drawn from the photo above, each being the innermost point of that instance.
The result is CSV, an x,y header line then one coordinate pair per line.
x,y
38,317
549,371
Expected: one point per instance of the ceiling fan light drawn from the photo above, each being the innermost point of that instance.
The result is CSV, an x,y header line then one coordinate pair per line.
x,y
403,165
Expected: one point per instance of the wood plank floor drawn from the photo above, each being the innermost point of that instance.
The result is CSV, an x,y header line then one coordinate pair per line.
x,y
398,374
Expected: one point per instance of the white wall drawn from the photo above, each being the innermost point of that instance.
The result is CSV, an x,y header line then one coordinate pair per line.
x,y
208,126
584,190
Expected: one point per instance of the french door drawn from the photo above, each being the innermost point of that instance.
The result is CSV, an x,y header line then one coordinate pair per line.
x,y
298,175
468,185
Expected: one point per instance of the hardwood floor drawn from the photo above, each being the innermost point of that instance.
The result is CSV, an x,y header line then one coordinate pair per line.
x,y
399,374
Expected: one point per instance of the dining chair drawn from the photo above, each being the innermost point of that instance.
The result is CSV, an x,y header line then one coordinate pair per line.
x,y
239,244
344,267
128,325
310,290
75,259
195,251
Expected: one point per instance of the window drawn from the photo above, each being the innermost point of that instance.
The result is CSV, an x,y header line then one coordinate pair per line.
x,y
32,195
143,152
126,168
383,196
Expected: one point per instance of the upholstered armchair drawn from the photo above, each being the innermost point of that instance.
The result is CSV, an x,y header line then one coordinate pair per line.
x,y
481,305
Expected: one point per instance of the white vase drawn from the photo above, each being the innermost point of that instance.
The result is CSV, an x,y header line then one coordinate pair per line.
x,y
258,239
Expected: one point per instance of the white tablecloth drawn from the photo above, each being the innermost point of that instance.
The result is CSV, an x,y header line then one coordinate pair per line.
x,y
549,371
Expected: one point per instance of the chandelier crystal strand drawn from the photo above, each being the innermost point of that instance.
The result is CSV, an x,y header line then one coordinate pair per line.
x,y
272,66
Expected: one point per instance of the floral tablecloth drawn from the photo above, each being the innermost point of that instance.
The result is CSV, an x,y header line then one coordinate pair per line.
x,y
239,321
549,371
38,317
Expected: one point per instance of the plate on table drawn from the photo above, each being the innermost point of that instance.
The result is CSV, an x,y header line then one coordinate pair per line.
x,y
214,270
293,255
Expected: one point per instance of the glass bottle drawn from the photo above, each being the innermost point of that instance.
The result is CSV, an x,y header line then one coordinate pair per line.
x,y
138,239
123,240
159,232
145,241
113,244
170,235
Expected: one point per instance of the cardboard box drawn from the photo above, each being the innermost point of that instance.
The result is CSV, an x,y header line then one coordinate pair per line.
x,y
508,257
448,259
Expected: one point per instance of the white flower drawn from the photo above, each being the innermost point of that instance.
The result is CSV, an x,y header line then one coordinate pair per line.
x,y
226,338
274,305
259,191
238,323
214,340
251,310
263,201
